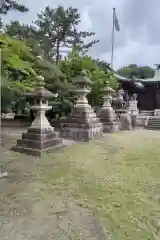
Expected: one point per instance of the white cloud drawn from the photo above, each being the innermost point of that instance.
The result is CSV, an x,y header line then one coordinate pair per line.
x,y
138,40
134,52
86,23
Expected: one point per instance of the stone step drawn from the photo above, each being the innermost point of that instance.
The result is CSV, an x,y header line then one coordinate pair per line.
x,y
36,137
146,113
25,143
154,117
153,124
153,121
156,122
152,128
40,130
36,152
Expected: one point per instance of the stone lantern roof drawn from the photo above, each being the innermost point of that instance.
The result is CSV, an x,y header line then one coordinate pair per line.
x,y
40,93
82,79
108,90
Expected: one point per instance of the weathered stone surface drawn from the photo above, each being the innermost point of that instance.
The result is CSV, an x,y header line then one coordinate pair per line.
x,y
157,112
81,132
125,121
37,142
40,137
110,127
118,102
153,123
133,105
83,123
119,112
107,113
133,120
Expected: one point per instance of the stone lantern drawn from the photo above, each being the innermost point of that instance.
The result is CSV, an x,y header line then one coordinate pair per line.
x,y
82,124
133,109
40,137
107,113
133,105
125,120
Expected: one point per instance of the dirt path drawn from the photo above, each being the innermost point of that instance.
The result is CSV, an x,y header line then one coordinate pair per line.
x,y
33,210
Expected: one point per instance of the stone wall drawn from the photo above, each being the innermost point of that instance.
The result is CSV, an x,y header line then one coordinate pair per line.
x,y
14,123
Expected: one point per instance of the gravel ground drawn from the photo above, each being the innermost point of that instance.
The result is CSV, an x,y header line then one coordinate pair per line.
x,y
32,210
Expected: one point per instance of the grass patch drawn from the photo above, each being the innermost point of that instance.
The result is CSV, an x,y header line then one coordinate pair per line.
x,y
117,177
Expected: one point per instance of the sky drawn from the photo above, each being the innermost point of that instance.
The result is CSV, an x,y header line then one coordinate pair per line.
x,y
137,42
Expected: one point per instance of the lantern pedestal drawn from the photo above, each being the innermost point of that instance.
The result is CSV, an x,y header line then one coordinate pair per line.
x,y
107,114
82,124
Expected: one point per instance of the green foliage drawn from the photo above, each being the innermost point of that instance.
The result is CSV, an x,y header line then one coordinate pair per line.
x,y
53,76
18,73
26,33
17,56
72,67
17,30
42,64
20,69
137,71
36,50
99,79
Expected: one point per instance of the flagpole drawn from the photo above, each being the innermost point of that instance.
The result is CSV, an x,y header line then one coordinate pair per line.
x,y
112,52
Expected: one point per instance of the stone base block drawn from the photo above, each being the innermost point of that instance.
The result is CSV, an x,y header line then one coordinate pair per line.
x,y
110,127
83,132
125,122
141,121
38,141
133,121
39,144
157,112
35,152
119,112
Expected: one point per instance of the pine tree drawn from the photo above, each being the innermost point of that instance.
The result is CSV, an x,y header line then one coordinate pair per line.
x,y
58,32
9,5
